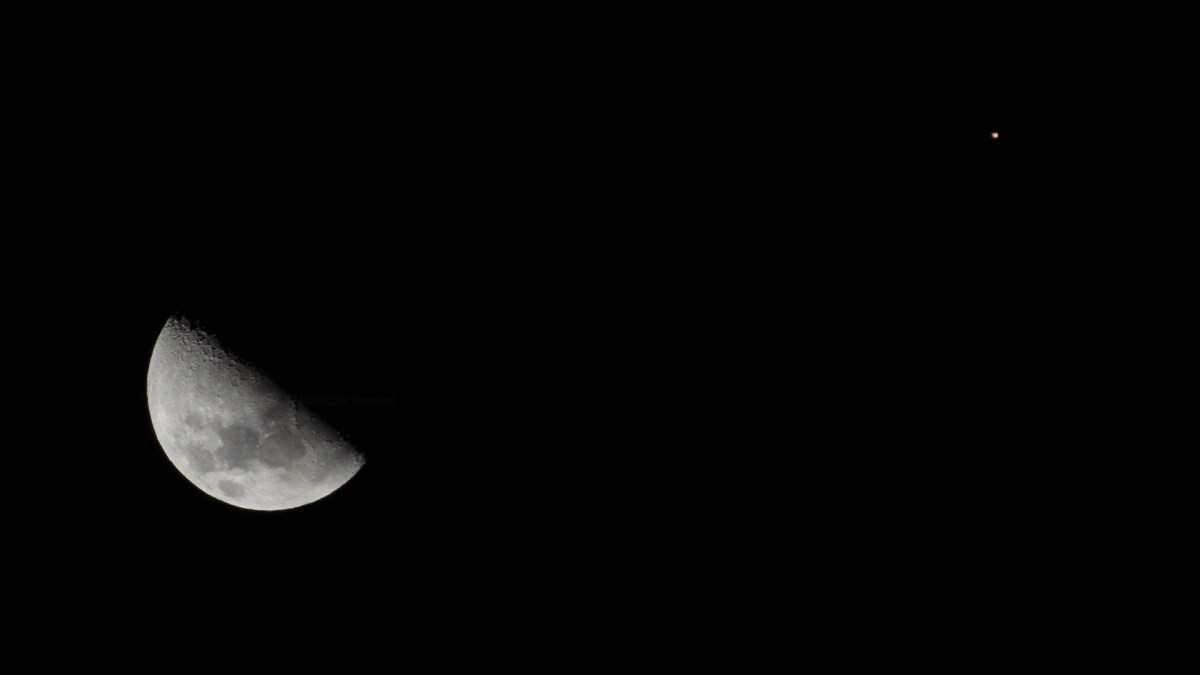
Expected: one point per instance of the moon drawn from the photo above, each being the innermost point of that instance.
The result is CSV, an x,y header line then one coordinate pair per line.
x,y
233,432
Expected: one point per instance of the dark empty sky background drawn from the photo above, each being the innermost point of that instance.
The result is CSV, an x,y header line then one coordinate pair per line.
x,y
693,337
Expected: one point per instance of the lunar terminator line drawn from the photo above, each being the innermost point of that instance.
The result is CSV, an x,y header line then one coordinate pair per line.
x,y
233,432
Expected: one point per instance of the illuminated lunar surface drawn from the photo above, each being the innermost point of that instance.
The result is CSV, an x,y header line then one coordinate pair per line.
x,y
233,432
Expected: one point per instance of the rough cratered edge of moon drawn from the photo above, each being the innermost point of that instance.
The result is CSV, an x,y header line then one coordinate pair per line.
x,y
235,434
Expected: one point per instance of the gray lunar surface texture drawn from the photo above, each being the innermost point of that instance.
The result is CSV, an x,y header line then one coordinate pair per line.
x,y
233,432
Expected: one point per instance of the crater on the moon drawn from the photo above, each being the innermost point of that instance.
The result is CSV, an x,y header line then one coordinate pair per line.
x,y
231,488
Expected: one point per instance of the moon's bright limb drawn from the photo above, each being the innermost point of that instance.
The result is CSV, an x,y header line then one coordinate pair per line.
x,y
233,432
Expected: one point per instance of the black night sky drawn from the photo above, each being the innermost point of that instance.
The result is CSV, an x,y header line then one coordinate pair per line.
x,y
662,344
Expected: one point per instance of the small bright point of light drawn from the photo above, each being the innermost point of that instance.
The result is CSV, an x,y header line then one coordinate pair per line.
x,y
995,135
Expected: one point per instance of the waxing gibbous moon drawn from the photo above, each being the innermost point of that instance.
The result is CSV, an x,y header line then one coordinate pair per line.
x,y
233,432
